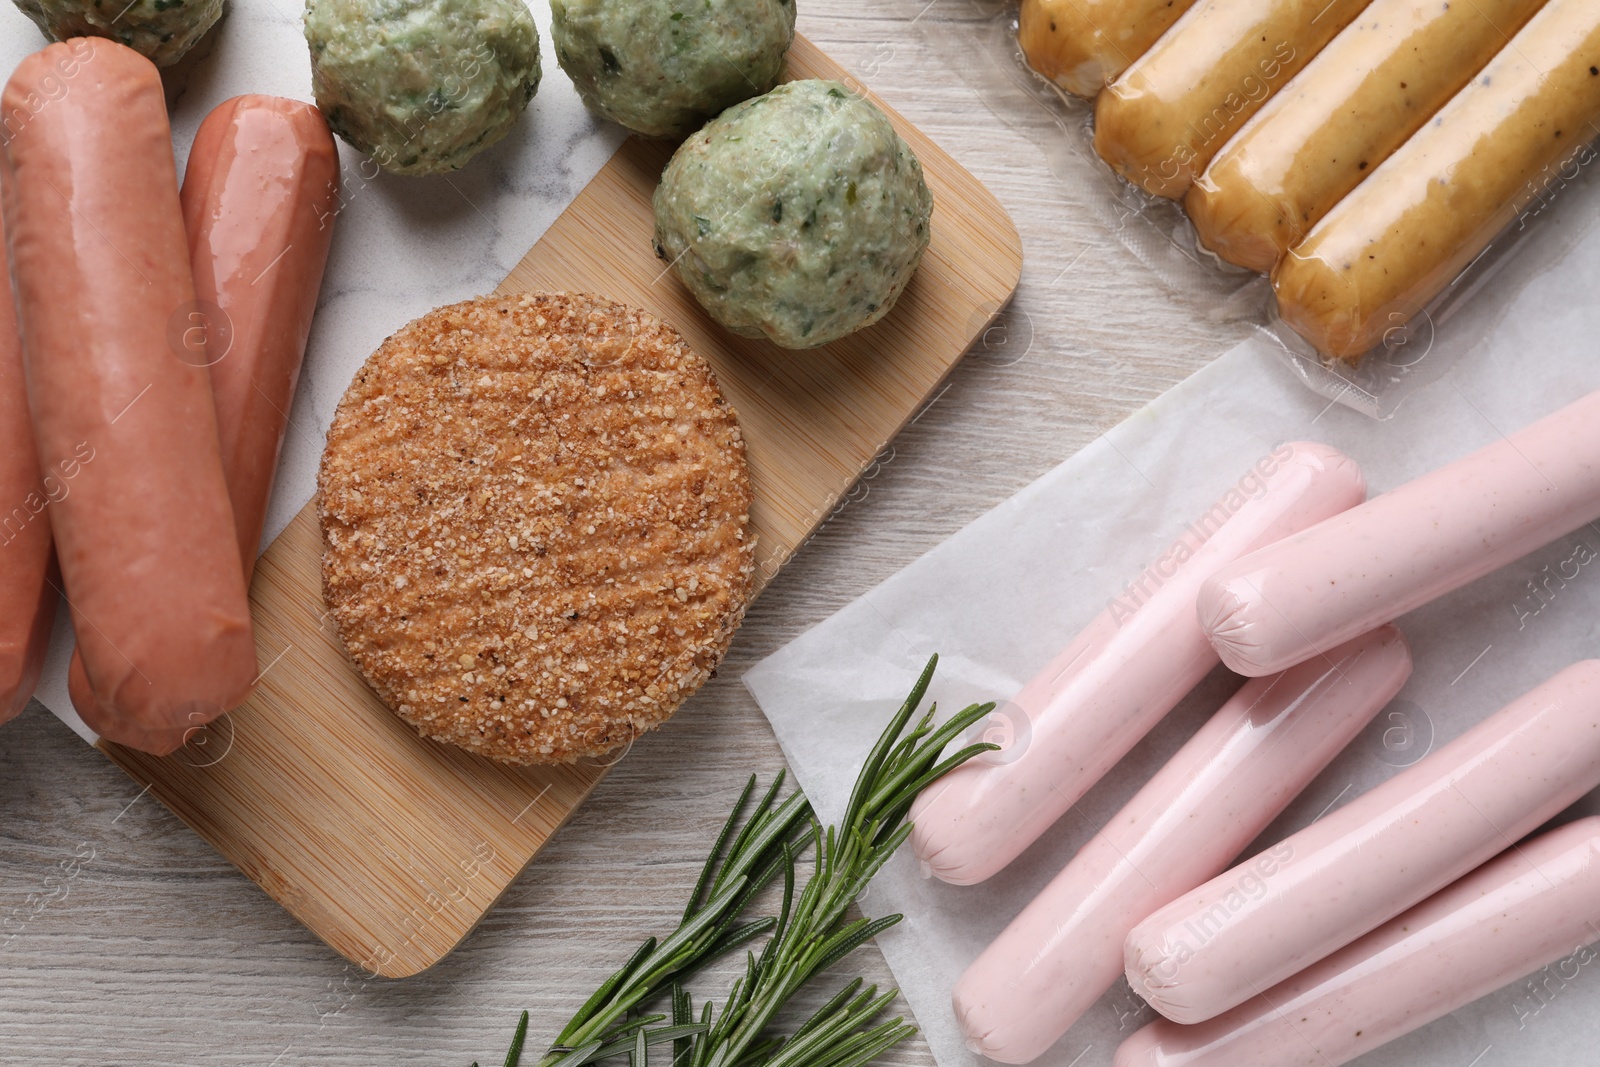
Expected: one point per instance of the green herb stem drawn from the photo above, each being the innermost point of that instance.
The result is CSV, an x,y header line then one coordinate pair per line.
x,y
810,933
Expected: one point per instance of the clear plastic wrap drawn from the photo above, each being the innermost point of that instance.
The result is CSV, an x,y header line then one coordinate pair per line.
x,y
978,39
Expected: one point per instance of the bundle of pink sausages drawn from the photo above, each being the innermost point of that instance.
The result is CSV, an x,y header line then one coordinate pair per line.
x,y
1315,949
146,378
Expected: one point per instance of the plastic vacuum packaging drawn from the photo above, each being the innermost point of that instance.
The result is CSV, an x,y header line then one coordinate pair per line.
x,y
1408,344
1315,141
1536,904
1121,675
1163,120
1212,799
1082,45
1384,252
1322,888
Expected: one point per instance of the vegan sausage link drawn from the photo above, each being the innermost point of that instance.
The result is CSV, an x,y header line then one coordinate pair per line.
x,y
1117,678
1384,76
145,538
1534,905
1351,871
1162,121
27,591
1405,548
1083,45
258,204
259,199
1515,134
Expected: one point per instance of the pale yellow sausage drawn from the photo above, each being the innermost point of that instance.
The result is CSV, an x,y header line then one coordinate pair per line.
x,y
1518,132
1348,111
1159,124
1082,45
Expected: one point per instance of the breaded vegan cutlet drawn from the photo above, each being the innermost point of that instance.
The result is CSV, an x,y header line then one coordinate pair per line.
x,y
535,515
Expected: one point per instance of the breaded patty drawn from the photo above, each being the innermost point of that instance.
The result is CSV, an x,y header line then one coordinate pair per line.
x,y
535,515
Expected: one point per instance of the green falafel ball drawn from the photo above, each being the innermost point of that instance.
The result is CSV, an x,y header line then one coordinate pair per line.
x,y
663,68
160,30
422,85
798,216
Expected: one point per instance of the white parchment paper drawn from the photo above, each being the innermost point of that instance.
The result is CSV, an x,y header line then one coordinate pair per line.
x,y
1002,596
401,245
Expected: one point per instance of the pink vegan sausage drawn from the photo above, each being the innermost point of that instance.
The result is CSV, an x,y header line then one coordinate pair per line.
x,y
145,538
1120,676
1412,545
27,587
1536,904
1320,889
1211,800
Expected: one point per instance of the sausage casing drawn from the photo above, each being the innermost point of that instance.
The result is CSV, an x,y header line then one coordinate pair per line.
x,y
1084,45
258,205
145,538
1374,85
1162,121
1516,132
28,591
1532,905
1351,871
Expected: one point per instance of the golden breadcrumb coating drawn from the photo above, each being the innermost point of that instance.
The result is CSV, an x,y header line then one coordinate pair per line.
x,y
535,515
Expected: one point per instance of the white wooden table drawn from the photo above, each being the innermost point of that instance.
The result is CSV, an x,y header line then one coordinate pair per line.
x,y
125,940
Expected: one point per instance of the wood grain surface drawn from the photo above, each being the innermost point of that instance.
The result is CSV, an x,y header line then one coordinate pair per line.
x,y
126,939
390,847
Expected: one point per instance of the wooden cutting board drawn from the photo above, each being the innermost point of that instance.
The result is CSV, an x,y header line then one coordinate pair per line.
x,y
391,848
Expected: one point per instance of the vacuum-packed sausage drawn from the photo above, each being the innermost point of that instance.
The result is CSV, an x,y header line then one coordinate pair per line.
x,y
1349,110
1516,133
27,584
145,538
1318,890
1407,547
1159,124
1233,777
1083,45
1534,905
1118,677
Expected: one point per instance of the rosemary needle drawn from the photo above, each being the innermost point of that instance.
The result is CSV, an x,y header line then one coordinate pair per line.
x,y
809,934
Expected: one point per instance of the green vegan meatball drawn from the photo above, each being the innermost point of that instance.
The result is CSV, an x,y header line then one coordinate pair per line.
x,y
422,85
663,68
160,30
798,216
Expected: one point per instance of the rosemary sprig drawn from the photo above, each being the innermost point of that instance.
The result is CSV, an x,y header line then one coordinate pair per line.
x,y
812,932
733,873
809,934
